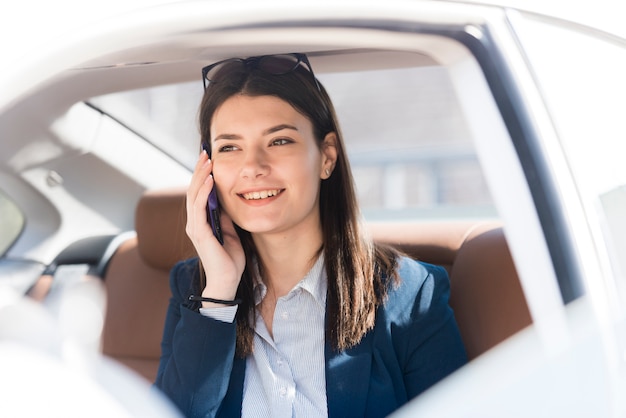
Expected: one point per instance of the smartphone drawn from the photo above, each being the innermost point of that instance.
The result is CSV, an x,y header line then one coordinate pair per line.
x,y
213,209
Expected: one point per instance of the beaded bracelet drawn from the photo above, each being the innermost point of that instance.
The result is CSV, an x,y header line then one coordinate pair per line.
x,y
195,298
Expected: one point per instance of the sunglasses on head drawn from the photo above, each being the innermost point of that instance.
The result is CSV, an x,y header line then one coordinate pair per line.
x,y
272,64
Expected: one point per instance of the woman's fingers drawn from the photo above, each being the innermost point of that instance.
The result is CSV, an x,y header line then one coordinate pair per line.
x,y
223,272
232,243
200,173
223,264
198,192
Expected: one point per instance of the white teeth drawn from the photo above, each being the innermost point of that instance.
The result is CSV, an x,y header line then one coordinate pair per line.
x,y
260,195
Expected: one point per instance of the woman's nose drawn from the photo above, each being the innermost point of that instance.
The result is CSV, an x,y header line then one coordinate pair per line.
x,y
255,164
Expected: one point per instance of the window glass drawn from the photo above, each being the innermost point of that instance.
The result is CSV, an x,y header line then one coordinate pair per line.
x,y
585,89
407,140
11,222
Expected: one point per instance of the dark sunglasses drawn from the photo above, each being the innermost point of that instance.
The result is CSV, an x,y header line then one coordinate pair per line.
x,y
272,64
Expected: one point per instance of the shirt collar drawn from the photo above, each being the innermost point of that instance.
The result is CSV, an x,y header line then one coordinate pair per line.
x,y
314,282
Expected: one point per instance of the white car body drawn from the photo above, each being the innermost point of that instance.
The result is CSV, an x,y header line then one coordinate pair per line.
x,y
556,70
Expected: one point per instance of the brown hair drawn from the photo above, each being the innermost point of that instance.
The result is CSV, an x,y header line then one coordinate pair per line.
x,y
359,271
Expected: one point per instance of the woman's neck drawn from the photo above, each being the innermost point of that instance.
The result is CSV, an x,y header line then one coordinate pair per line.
x,y
286,259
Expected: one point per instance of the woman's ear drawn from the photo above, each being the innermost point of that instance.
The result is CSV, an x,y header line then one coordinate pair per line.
x,y
329,155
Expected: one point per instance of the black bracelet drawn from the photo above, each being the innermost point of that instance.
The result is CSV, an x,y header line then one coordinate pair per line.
x,y
195,298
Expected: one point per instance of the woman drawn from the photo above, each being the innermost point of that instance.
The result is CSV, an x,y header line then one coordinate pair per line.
x,y
300,314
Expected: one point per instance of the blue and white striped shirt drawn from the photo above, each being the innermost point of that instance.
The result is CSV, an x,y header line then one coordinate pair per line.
x,y
285,375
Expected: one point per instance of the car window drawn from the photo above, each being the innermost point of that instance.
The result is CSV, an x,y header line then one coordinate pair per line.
x,y
407,139
589,117
11,222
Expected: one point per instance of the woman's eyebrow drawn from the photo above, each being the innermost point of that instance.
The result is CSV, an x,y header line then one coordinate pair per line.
x,y
228,137
279,128
268,131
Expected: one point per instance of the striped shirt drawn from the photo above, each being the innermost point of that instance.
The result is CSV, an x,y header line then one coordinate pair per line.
x,y
285,375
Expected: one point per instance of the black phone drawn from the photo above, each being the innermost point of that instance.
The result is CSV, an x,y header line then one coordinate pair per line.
x,y
213,208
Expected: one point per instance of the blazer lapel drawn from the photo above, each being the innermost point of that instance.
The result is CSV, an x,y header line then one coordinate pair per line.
x,y
348,379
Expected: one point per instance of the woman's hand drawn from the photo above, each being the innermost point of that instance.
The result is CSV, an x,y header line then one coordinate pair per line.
x,y
223,265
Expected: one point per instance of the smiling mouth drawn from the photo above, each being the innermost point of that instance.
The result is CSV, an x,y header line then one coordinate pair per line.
x,y
264,194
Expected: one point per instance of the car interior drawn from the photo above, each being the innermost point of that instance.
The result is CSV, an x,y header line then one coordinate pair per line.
x,y
129,227
486,295
472,144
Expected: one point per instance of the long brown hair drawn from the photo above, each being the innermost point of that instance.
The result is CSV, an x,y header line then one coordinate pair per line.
x,y
359,272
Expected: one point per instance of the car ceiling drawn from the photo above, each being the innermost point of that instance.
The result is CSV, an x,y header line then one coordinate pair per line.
x,y
164,58
45,128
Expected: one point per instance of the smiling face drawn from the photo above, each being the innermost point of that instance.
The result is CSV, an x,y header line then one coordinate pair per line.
x,y
268,166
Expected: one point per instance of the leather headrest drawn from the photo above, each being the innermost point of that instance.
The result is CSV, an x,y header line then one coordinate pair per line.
x,y
429,241
160,224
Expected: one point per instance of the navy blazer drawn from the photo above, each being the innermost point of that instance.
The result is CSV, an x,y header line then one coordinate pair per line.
x,y
415,343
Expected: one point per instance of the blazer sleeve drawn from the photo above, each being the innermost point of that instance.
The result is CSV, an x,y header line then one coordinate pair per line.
x,y
197,352
432,344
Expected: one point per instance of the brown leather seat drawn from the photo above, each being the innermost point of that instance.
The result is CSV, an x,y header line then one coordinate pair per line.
x,y
485,292
137,281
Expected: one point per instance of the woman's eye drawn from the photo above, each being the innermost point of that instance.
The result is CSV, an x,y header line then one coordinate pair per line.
x,y
227,148
281,141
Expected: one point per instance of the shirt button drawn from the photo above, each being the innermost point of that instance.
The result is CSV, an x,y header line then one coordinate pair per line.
x,y
279,362
284,315
282,392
